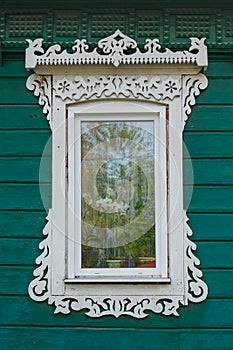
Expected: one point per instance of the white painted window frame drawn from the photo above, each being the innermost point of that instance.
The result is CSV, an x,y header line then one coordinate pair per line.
x,y
126,110
168,79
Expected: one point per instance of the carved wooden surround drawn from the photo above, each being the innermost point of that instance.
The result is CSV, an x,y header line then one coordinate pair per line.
x,y
118,69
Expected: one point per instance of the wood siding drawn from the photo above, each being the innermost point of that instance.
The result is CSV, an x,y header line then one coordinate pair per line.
x,y
24,133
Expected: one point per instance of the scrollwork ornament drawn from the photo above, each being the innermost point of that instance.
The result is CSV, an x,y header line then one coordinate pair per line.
x,y
197,289
92,87
42,87
192,86
39,288
117,306
115,49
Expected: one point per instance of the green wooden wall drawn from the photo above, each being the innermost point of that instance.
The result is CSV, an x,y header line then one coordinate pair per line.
x,y
24,132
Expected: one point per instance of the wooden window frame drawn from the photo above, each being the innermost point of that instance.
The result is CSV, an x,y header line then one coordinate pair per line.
x,y
120,73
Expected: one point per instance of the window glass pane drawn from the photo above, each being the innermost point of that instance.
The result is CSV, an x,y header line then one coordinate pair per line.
x,y
118,194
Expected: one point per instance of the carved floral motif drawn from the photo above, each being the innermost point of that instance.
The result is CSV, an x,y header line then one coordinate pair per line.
x,y
84,88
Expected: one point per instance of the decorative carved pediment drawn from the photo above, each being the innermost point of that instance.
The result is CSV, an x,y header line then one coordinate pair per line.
x,y
116,49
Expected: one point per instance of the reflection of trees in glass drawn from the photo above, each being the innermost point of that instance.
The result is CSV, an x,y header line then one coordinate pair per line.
x,y
119,154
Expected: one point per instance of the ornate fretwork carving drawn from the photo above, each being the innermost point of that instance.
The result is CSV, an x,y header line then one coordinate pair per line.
x,y
116,49
192,86
197,290
41,86
39,288
114,86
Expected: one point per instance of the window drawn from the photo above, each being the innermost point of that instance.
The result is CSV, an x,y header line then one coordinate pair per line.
x,y
117,191
117,115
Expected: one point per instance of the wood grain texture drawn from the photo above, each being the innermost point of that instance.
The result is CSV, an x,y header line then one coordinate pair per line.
x,y
208,171
25,196
25,169
22,117
208,145
89,338
20,310
215,93
25,142
17,85
22,223
19,338
19,251
211,118
215,199
212,226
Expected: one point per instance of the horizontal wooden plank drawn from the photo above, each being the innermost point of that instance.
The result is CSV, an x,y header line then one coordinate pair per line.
x,y
208,171
220,283
219,69
210,118
210,339
25,196
208,199
217,255
25,169
25,312
89,338
18,251
25,143
208,145
22,117
209,314
21,94
211,226
22,224
15,280
219,91
19,338
14,67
